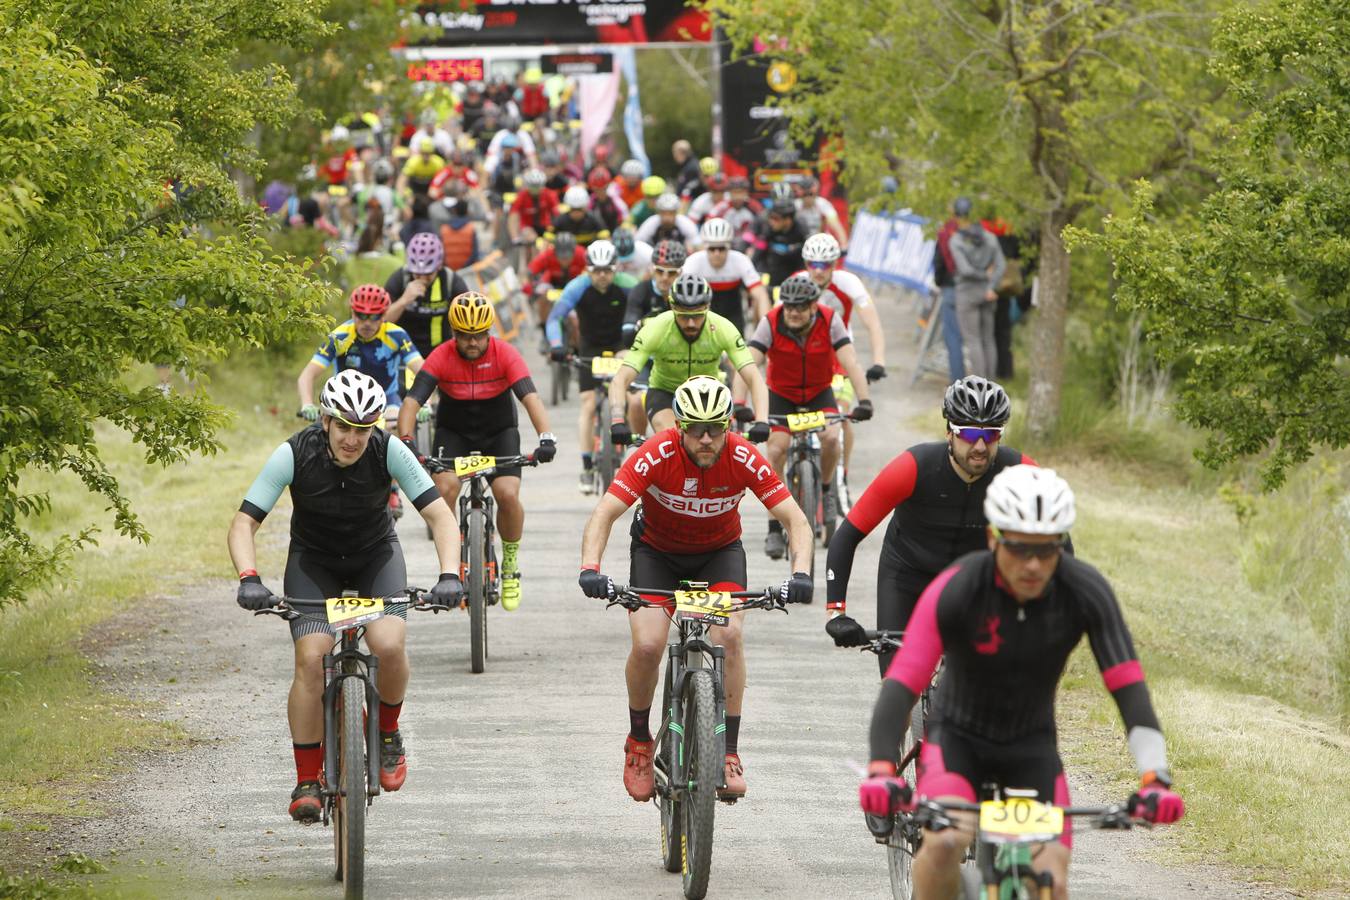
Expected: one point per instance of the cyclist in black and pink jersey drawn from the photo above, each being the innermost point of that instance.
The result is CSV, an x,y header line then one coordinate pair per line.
x,y
936,491
690,480
729,273
1006,619
480,378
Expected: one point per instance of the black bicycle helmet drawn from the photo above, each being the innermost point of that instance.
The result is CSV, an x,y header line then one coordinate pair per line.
x,y
976,401
564,243
670,254
690,292
798,290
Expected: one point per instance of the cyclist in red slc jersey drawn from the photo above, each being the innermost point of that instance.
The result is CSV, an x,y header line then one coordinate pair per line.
x,y
1005,619
690,479
936,491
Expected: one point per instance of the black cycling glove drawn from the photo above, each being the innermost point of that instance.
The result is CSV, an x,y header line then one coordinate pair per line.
x,y
621,434
797,589
863,411
595,584
876,373
758,433
254,595
846,632
546,451
449,591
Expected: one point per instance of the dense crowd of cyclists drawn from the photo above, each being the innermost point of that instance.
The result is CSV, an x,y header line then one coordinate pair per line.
x,y
728,313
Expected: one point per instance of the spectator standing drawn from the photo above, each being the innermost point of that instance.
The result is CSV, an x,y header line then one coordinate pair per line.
x,y
979,269
944,275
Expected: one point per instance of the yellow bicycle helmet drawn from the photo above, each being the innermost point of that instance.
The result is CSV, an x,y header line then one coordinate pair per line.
x,y
702,399
653,186
471,313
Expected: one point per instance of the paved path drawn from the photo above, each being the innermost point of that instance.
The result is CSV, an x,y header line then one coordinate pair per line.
x,y
514,783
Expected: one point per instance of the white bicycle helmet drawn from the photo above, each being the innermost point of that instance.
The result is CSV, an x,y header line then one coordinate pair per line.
x,y
354,397
600,254
667,203
577,197
715,231
702,399
1029,499
633,169
534,179
820,248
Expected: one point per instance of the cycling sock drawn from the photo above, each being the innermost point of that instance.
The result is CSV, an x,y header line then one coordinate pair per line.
x,y
587,461
733,732
389,716
639,728
308,761
509,551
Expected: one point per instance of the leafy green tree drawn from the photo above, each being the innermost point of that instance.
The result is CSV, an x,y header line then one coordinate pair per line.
x,y
1043,110
123,240
1253,288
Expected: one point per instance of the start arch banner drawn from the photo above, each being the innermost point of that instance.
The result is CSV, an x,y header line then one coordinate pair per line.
x,y
532,22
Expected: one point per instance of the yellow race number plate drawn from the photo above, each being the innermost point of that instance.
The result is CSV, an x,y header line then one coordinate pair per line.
x,y
466,466
605,366
707,606
1021,817
807,421
348,612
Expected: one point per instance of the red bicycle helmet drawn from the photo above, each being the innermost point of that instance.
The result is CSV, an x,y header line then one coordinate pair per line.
x,y
370,299
599,179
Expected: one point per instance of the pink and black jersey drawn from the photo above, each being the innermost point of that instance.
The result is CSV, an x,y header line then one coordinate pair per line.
x,y
688,509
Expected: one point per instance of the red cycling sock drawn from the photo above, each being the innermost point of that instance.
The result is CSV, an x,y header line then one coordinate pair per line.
x,y
389,716
308,761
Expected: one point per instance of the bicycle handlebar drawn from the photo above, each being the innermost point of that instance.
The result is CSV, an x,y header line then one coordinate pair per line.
x,y
830,417
933,814
286,607
438,464
881,641
631,598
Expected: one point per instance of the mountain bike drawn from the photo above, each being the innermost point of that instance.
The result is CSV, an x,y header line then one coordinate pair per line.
x,y
351,738
607,455
477,545
1010,826
689,764
802,470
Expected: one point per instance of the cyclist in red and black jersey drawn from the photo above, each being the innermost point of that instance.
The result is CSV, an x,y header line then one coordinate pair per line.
x,y
533,210
690,479
936,491
803,343
477,374
1006,619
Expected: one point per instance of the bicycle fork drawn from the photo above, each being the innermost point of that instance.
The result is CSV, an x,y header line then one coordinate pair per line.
x,y
350,659
679,777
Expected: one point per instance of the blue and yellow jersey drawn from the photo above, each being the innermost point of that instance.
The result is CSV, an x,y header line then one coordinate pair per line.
x,y
379,357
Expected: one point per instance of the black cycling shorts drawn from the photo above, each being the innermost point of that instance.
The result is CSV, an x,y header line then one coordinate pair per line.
x,y
781,406
955,763
314,575
898,590
730,306
656,401
503,443
723,568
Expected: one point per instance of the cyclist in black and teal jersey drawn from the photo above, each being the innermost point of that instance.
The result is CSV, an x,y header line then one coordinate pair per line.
x,y
687,340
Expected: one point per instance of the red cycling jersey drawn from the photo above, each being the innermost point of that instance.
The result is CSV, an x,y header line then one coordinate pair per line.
x,y
688,509
474,396
536,212
547,268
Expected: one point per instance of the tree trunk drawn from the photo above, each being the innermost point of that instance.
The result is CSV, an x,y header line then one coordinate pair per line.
x,y
1047,327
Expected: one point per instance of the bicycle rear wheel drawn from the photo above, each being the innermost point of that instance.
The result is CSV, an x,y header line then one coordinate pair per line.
x,y
349,809
704,770
606,455
672,817
477,591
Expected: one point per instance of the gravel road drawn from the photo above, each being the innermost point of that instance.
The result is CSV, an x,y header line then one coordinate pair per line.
x,y
514,785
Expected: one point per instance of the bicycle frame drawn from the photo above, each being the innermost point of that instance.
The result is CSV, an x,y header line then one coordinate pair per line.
x,y
684,658
349,662
479,496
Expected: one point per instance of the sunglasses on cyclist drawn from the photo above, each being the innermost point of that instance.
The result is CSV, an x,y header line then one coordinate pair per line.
x,y
972,434
697,430
668,273
368,317
1028,550
602,270
819,266
718,248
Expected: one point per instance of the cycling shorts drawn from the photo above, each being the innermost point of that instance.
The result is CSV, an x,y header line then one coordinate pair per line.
x,y
781,406
731,307
723,568
311,575
898,590
657,400
503,443
955,763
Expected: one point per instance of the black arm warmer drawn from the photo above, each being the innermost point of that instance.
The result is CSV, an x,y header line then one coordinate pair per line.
x,y
839,560
424,385
890,716
1136,709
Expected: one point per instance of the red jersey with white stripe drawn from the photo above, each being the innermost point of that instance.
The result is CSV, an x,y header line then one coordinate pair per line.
x,y
687,509
842,294
738,272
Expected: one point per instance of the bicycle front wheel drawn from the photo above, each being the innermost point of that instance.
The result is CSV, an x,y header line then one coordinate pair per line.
x,y
806,480
349,811
704,771
477,591
606,454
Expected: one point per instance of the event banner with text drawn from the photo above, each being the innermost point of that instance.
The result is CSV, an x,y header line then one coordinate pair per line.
x,y
492,22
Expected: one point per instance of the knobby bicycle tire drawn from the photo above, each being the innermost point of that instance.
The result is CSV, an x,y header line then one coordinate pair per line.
x,y
705,773
477,591
672,821
351,800
606,454
805,479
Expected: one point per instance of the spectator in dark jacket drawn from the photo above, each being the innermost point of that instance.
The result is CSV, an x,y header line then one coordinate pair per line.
x,y
979,269
944,274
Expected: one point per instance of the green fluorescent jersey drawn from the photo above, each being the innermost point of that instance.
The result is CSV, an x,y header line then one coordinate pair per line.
x,y
675,360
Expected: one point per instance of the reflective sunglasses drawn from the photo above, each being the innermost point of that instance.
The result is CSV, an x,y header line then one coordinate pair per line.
x,y
819,266
972,434
699,429
668,273
368,317
1028,550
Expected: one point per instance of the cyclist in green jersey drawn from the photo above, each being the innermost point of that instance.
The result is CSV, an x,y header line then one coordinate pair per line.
x,y
687,340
